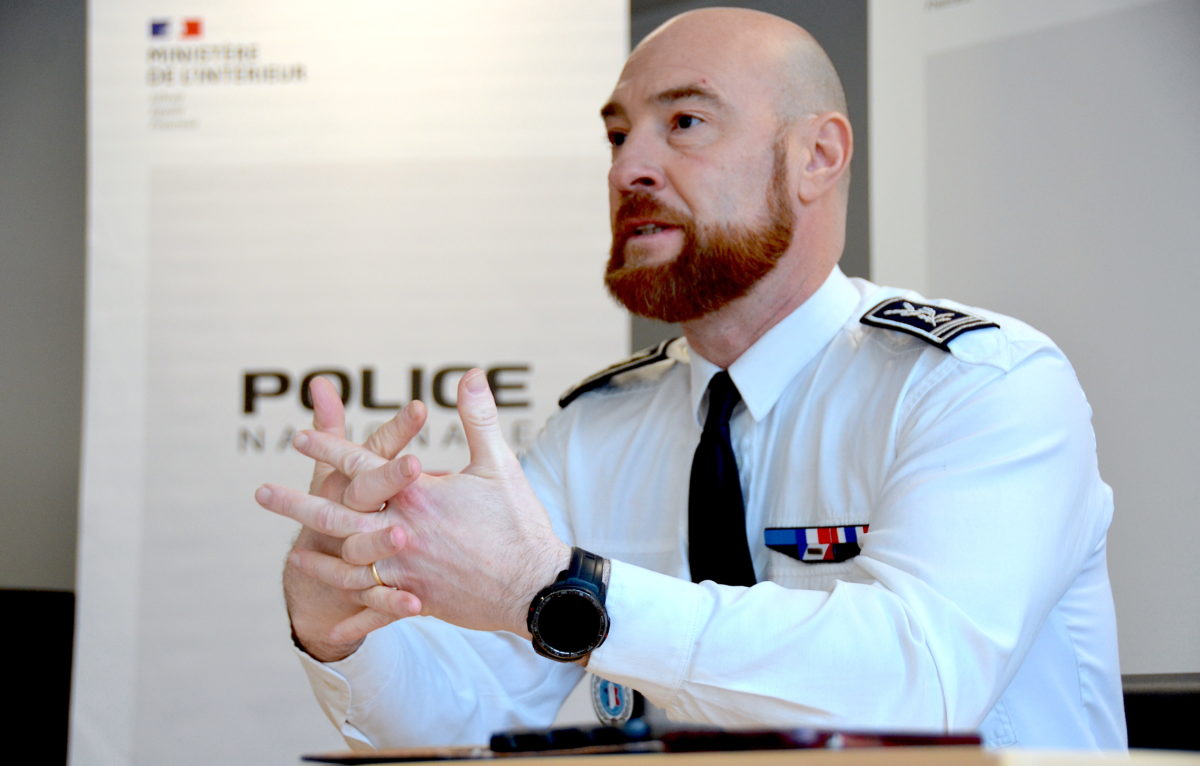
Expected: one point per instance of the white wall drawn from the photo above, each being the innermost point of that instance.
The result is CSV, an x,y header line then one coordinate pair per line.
x,y
1041,160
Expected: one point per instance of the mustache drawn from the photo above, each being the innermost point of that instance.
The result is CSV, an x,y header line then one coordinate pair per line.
x,y
637,206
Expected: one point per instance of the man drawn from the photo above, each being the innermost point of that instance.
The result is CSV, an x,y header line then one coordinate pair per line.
x,y
923,540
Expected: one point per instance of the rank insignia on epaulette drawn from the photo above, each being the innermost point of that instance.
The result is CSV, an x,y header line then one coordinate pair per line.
x,y
934,324
816,544
600,379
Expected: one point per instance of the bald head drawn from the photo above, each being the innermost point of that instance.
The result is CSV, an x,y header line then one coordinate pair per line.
x,y
782,56
728,127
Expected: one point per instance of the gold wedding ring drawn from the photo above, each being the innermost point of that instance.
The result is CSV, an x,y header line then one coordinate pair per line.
x,y
378,579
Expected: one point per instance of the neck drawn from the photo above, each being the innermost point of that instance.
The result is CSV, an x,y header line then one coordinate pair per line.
x,y
724,335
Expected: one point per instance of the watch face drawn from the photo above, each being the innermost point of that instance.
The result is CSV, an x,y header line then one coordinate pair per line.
x,y
571,622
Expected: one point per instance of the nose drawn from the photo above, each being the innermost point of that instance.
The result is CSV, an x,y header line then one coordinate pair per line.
x,y
636,166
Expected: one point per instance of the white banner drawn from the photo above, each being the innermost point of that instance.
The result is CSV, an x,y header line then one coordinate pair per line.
x,y
387,193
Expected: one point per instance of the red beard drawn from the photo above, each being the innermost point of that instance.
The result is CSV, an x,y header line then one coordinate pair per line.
x,y
715,266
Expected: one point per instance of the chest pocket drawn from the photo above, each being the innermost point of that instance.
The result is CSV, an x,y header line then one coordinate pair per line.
x,y
814,558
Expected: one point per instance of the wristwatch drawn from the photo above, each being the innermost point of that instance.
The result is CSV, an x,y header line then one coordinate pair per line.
x,y
567,618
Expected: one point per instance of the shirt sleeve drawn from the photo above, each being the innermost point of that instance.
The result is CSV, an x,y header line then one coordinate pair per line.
x,y
988,510
423,682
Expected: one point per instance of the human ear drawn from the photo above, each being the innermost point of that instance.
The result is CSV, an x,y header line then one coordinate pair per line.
x,y
830,145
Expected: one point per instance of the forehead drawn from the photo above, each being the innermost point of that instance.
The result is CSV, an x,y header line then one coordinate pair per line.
x,y
721,76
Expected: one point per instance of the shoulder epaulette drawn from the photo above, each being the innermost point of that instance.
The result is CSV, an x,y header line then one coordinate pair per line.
x,y
933,324
591,383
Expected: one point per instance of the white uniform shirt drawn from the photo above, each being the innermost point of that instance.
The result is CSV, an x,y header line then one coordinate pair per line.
x,y
980,600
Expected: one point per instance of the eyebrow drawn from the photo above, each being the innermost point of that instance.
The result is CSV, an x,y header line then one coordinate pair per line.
x,y
687,92
668,96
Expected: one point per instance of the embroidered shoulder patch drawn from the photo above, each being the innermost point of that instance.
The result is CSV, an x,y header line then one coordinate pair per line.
x,y
615,704
600,379
933,324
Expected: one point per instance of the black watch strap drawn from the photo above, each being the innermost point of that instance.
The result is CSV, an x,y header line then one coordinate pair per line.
x,y
589,568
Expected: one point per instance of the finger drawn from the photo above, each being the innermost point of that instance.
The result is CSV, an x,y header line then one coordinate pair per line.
x,y
315,541
391,601
368,548
332,571
370,489
328,483
481,422
395,435
329,416
356,627
349,458
398,605
316,513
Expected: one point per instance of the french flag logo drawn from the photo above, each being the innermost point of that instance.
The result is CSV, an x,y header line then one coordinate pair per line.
x,y
189,28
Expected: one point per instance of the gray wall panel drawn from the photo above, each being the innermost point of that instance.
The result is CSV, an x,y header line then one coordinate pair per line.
x,y
41,288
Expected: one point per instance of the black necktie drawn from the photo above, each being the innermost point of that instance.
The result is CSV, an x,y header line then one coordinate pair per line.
x,y
717,548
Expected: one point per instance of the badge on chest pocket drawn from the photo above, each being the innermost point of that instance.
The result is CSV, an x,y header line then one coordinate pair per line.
x,y
816,545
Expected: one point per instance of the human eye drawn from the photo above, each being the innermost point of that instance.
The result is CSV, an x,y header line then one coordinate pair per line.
x,y
616,138
685,121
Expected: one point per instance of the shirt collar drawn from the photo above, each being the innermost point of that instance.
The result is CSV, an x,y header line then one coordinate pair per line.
x,y
764,370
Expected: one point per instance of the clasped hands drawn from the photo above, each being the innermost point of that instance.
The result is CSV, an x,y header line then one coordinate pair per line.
x,y
471,548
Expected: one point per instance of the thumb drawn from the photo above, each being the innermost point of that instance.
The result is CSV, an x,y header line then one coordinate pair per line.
x,y
329,415
481,422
